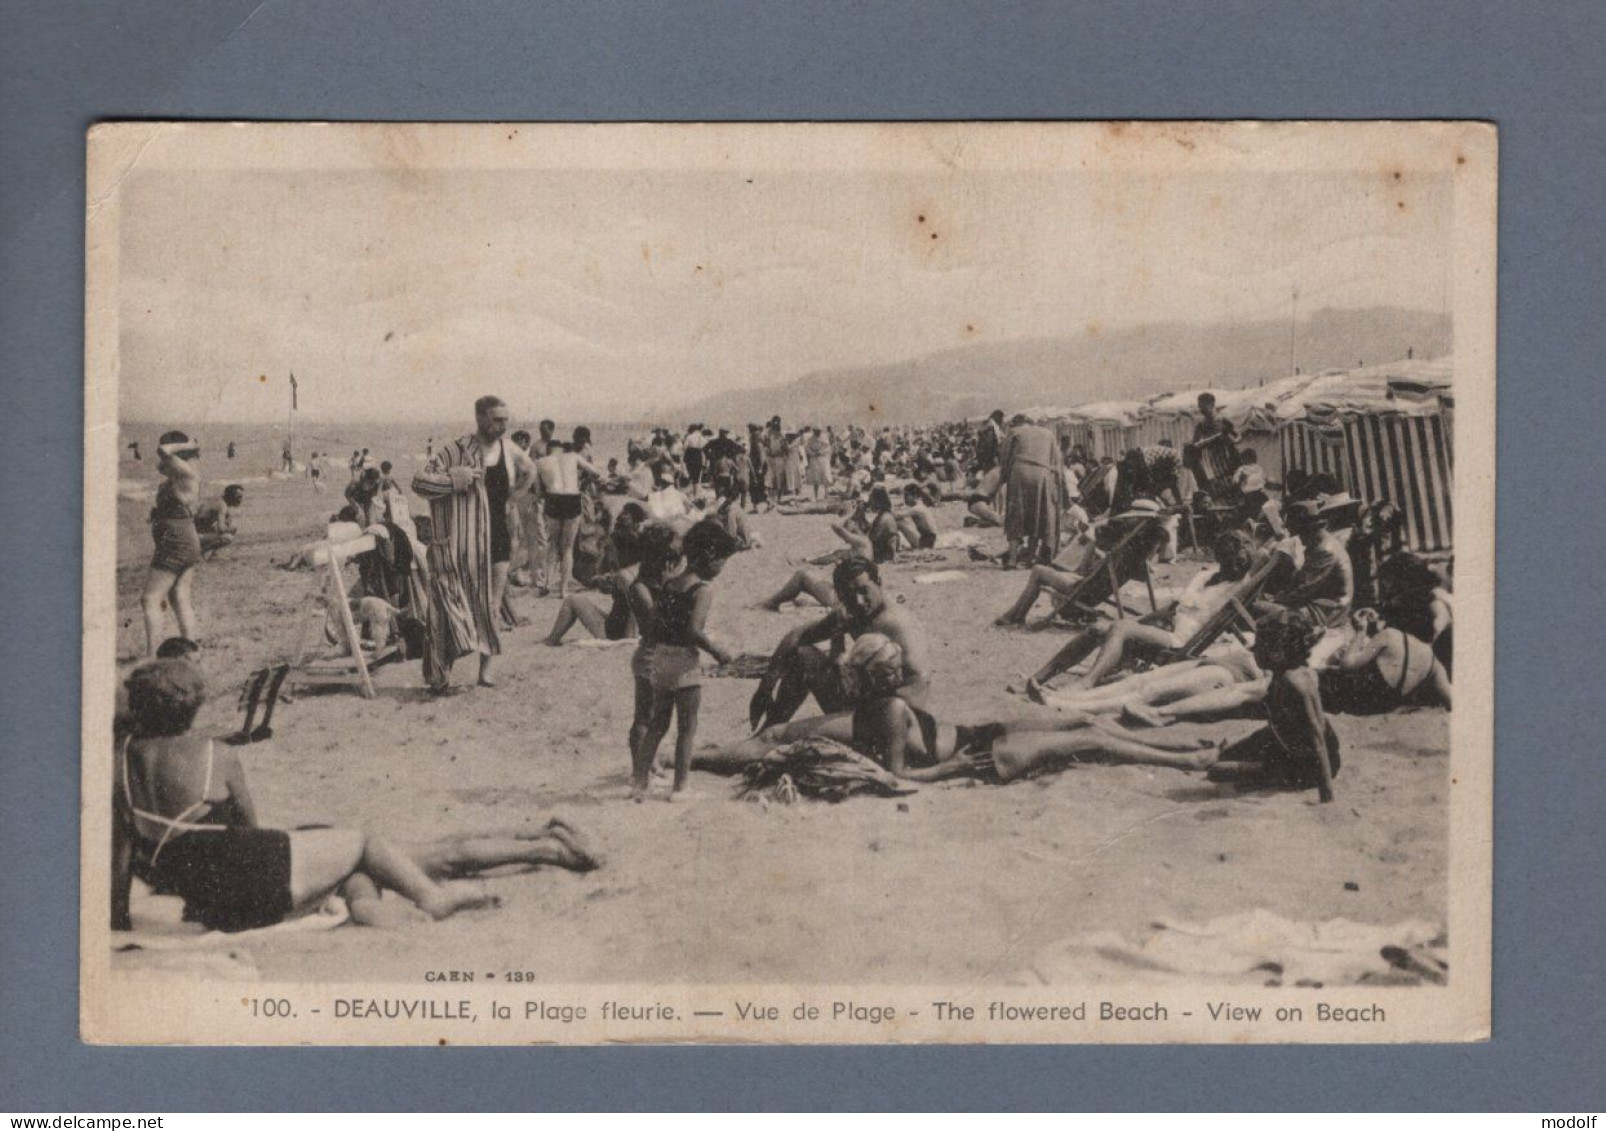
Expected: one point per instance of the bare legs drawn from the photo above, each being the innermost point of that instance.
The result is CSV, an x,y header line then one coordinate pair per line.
x,y
582,609
682,704
638,730
1208,704
162,589
321,859
1021,753
985,515
808,672
561,536
1042,577
802,582
535,533
498,594
556,842
1118,638
1163,685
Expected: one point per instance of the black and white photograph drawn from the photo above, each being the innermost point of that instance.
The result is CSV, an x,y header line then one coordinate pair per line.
x,y
788,583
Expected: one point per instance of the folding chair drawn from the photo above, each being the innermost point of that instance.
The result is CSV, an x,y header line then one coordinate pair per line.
x,y
1233,617
330,556
1126,561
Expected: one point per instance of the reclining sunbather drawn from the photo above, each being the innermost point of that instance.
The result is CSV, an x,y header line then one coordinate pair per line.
x,y
1382,669
1118,641
931,751
183,818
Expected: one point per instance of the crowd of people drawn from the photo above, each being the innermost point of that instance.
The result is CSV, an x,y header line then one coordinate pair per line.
x,y
1312,607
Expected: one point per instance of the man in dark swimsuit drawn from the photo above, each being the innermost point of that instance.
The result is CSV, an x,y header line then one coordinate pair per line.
x,y
798,669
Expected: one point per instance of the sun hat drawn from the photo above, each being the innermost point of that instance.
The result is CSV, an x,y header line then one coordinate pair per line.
x,y
1141,508
1304,513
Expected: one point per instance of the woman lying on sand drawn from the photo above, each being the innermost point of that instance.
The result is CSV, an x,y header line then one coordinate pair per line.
x,y
1164,685
1381,669
1119,641
183,819
925,750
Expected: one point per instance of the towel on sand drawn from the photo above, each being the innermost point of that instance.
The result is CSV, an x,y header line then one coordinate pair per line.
x,y
159,925
748,665
1251,948
818,768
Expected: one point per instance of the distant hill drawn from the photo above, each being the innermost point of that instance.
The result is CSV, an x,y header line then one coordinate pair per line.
x,y
1125,364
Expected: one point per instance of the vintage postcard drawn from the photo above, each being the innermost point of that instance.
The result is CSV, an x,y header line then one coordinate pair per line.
x,y
791,583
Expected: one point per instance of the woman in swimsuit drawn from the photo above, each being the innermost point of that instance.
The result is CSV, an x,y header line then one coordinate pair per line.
x,y
933,751
1169,683
1116,641
184,820
1297,749
178,543
1382,669
922,749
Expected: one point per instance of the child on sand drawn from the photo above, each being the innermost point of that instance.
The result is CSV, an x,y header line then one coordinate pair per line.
x,y
660,559
1297,748
683,604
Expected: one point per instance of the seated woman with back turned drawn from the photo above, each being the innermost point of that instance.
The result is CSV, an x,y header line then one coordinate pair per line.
x,y
184,821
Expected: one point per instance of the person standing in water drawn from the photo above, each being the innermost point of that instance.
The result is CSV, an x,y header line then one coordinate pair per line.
x,y
178,543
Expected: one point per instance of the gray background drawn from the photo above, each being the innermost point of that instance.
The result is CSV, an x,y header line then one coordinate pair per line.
x,y
1535,68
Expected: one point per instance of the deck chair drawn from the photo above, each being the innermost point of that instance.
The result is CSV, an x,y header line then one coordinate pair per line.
x,y
310,662
1233,617
1127,560
1213,462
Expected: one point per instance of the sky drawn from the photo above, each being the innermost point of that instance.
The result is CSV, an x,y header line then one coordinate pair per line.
x,y
615,295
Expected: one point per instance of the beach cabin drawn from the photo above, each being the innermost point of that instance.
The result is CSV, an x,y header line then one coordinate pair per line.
x,y
1385,432
1107,428
1252,412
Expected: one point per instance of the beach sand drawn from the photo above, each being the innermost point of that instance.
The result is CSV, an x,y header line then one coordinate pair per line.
x,y
961,882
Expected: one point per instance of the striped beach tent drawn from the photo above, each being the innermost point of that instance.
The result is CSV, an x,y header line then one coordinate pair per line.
x,y
1385,433
1313,447
1405,459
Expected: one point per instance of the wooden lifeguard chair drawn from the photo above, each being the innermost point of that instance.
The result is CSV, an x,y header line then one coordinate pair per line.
x,y
344,542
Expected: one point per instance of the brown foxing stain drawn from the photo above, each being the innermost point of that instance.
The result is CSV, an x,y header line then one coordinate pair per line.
x,y
1093,329
263,379
1460,159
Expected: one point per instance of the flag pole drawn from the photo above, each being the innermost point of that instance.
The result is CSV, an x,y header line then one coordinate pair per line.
x,y
290,442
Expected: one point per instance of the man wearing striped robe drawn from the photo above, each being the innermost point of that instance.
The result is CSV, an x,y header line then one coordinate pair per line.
x,y
465,585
